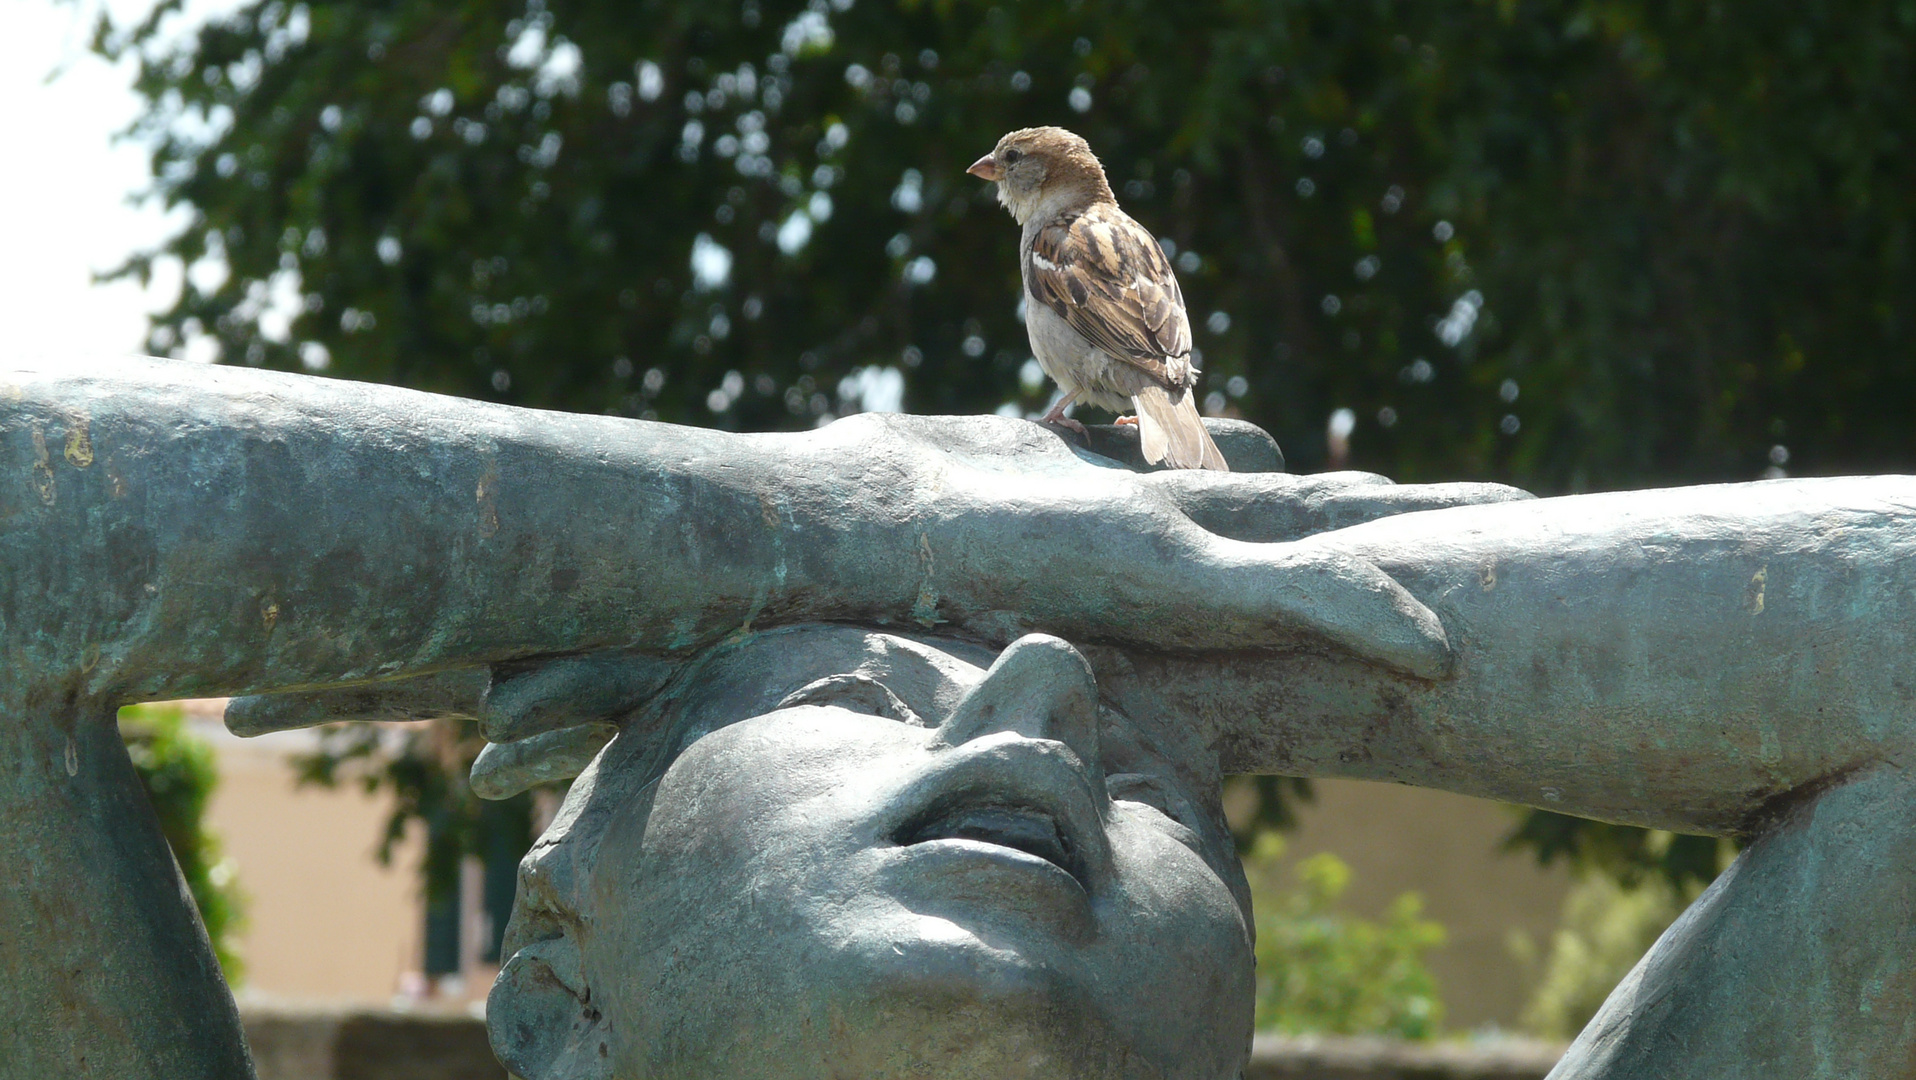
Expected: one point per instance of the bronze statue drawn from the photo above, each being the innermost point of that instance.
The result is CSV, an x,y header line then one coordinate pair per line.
x,y
898,742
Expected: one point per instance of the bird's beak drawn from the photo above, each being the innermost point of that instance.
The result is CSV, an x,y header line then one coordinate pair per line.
x,y
986,168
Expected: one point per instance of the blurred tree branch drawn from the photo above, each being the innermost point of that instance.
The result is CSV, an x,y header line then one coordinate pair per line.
x,y
1575,244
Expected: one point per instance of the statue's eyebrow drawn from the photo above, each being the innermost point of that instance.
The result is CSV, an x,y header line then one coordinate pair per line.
x,y
1159,792
856,691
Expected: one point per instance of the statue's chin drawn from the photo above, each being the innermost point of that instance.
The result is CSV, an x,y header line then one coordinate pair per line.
x,y
960,1033
874,995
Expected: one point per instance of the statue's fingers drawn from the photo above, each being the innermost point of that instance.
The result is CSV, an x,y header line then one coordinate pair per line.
x,y
1258,507
503,770
1246,447
1357,505
1302,594
425,697
1353,606
1278,507
556,694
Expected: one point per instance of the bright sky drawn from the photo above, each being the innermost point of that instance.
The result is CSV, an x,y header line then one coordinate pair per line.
x,y
63,190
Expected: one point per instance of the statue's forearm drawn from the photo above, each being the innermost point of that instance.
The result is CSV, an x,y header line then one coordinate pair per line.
x,y
1676,657
174,530
104,969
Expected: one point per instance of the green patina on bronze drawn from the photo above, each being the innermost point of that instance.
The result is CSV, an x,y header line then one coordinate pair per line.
x,y
1728,660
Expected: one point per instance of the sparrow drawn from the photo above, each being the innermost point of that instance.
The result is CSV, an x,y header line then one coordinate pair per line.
x,y
1104,311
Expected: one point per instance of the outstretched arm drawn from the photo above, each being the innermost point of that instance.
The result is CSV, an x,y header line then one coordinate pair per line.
x,y
1686,659
172,530
1680,658
226,531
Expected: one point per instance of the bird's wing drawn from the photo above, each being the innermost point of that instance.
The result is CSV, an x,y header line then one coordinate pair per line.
x,y
1110,281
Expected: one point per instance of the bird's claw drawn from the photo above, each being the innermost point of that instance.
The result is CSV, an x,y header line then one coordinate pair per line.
x,y
1125,421
1065,422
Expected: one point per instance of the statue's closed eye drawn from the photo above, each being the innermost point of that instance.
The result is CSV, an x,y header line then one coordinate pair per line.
x,y
859,693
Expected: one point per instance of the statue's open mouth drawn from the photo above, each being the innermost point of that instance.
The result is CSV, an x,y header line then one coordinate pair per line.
x,y
1031,831
1010,792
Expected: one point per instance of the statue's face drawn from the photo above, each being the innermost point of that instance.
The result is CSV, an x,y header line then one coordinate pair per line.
x,y
921,870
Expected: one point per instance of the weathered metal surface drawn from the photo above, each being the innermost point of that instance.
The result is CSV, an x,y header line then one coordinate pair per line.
x,y
242,530
1733,659
294,1043
1320,1057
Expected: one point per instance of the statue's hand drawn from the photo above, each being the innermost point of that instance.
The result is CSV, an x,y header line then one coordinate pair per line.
x,y
543,720
1257,500
239,531
1000,527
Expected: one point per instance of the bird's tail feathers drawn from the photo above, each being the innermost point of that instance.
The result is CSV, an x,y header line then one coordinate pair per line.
x,y
1171,431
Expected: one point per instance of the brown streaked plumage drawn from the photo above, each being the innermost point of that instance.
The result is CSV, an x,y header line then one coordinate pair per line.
x,y
1103,309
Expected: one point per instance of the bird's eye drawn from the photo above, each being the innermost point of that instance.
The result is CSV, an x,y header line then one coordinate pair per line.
x,y
1012,154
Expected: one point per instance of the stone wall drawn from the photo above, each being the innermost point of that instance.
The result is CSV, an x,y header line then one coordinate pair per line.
x,y
321,1044
1337,1058
318,1044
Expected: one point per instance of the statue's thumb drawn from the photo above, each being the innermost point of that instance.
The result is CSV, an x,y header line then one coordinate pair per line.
x,y
1357,607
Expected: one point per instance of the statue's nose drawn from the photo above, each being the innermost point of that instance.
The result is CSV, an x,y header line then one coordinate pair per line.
x,y
1039,687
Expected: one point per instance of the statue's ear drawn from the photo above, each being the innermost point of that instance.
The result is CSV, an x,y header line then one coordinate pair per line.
x,y
541,1018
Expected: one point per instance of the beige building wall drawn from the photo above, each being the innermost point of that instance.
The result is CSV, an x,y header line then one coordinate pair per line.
x,y
325,922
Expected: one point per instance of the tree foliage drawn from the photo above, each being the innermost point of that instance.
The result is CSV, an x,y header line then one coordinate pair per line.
x,y
1606,926
1623,853
1570,244
1579,243
425,767
1322,969
176,768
